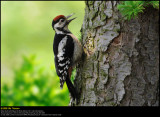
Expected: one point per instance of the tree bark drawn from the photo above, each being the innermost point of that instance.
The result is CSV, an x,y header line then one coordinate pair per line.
x,y
122,62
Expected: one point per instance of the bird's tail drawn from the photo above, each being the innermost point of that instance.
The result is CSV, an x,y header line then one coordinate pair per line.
x,y
71,88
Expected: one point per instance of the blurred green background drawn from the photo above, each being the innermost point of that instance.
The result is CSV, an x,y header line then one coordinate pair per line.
x,y
28,76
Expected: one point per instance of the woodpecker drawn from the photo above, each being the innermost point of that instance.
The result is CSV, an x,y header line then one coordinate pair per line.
x,y
67,51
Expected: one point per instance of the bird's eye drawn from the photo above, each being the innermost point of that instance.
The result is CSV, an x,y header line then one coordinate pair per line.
x,y
62,20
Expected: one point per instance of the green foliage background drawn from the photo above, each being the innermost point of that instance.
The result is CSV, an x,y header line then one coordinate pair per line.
x,y
28,76
130,9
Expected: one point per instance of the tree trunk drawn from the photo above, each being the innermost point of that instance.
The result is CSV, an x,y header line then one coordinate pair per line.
x,y
122,63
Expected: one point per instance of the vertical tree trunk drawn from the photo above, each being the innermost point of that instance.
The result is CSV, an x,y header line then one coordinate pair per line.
x,y
122,63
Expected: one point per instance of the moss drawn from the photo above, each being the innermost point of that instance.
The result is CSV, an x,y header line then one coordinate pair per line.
x,y
104,30
90,2
112,77
113,104
103,5
103,73
92,14
103,16
100,57
118,30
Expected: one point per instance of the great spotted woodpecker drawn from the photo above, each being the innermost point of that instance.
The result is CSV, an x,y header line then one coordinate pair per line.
x,y
67,51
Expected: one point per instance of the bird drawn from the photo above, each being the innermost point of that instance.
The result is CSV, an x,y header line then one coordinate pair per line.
x,y
67,51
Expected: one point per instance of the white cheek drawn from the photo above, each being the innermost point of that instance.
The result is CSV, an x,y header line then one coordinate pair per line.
x,y
57,31
60,24
55,26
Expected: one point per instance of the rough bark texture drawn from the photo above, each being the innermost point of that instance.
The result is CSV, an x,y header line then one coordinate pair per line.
x,y
122,63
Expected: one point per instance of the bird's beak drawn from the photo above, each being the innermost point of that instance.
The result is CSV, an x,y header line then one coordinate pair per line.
x,y
69,17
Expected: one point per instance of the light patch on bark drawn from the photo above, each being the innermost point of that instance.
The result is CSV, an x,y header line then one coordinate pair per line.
x,y
122,68
105,40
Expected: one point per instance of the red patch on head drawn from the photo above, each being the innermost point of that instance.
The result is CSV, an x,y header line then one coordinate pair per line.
x,y
58,17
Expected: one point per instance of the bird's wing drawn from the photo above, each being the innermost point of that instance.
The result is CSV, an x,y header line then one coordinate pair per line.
x,y
64,58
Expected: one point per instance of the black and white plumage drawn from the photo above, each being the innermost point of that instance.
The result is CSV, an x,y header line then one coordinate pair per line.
x,y
67,51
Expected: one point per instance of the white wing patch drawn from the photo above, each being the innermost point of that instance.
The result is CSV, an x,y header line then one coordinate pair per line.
x,y
63,66
64,72
61,48
60,71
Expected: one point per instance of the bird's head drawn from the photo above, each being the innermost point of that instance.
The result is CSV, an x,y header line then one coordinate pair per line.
x,y
60,23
